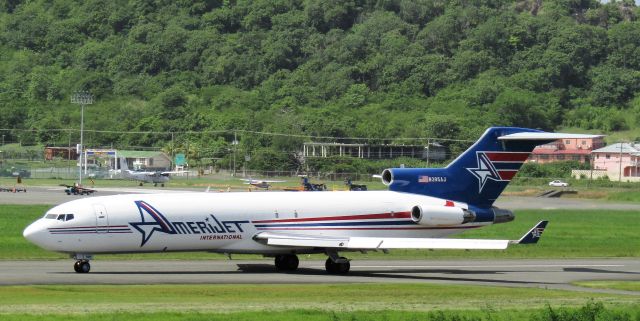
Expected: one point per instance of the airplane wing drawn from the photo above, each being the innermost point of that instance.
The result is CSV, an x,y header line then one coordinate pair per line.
x,y
173,172
258,181
385,243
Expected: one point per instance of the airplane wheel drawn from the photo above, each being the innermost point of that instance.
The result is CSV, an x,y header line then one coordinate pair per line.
x,y
337,268
82,266
287,262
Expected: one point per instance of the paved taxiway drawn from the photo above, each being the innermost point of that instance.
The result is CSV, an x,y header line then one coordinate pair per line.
x,y
544,273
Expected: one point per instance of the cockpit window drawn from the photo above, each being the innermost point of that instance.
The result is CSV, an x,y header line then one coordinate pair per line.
x,y
59,217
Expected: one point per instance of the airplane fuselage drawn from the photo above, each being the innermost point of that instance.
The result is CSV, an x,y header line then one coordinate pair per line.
x,y
228,222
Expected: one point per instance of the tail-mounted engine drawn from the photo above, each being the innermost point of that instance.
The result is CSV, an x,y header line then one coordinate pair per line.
x,y
441,215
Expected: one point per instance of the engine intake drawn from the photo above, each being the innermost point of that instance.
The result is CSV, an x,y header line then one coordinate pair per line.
x,y
441,216
387,177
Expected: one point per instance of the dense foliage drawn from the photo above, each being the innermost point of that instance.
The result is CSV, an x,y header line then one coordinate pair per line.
x,y
346,68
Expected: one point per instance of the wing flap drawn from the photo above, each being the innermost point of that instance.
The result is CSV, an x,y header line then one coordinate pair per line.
x,y
425,243
380,243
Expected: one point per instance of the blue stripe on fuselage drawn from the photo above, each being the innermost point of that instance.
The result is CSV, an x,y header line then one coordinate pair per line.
x,y
404,222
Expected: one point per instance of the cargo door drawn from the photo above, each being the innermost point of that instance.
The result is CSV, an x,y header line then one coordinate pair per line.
x,y
102,219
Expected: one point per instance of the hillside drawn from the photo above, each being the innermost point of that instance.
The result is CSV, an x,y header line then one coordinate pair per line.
x,y
381,70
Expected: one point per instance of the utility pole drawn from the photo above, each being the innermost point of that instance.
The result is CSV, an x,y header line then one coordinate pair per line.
x,y
235,143
620,163
81,98
173,156
428,150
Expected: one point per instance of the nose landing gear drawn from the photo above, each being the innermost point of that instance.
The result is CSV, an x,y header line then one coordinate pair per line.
x,y
82,266
82,263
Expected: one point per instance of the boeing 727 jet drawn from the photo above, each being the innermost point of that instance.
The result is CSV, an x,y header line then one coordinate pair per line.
x,y
421,207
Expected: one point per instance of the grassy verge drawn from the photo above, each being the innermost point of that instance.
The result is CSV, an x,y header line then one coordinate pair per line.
x,y
627,196
571,234
73,299
593,311
616,285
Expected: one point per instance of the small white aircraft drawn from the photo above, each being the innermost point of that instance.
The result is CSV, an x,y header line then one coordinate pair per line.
x,y
155,177
260,183
421,207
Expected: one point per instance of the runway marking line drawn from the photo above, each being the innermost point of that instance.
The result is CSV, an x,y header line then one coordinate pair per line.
x,y
482,266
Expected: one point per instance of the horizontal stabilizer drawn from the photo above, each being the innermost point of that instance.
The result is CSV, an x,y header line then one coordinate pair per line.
x,y
545,136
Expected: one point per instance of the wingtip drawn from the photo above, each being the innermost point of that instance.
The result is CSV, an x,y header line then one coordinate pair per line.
x,y
534,234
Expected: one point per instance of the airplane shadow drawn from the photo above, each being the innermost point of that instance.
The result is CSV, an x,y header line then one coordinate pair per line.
x,y
400,274
588,270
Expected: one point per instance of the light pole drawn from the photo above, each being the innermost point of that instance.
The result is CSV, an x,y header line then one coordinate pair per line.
x,y
81,98
235,146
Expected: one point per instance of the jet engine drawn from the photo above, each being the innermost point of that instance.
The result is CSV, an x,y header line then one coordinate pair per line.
x,y
441,215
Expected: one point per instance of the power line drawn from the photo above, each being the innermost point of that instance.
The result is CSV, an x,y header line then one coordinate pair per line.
x,y
231,131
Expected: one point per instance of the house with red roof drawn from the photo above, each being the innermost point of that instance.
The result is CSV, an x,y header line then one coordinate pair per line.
x,y
566,150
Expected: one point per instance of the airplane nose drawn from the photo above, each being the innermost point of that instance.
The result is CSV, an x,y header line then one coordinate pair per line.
x,y
34,232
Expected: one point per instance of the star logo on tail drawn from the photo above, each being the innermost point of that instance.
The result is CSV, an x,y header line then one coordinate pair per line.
x,y
485,171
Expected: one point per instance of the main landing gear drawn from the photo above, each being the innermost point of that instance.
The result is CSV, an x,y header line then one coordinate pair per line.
x,y
334,265
340,267
287,262
82,263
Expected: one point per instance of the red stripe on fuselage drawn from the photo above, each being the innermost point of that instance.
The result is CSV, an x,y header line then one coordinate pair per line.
x,y
342,218
507,157
367,228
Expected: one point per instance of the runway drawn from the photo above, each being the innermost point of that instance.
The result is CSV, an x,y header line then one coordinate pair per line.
x,y
544,273
54,195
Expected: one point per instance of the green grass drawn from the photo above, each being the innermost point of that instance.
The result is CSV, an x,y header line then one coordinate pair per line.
x,y
616,285
593,311
570,234
281,297
626,196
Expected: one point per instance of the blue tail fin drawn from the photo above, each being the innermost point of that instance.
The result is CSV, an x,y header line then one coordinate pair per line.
x,y
478,175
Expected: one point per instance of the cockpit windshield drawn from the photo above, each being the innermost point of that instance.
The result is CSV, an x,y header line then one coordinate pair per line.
x,y
59,217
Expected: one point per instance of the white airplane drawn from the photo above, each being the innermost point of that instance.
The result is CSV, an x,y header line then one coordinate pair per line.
x,y
260,183
421,208
155,177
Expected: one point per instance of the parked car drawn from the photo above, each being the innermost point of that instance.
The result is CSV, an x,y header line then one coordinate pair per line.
x,y
558,183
